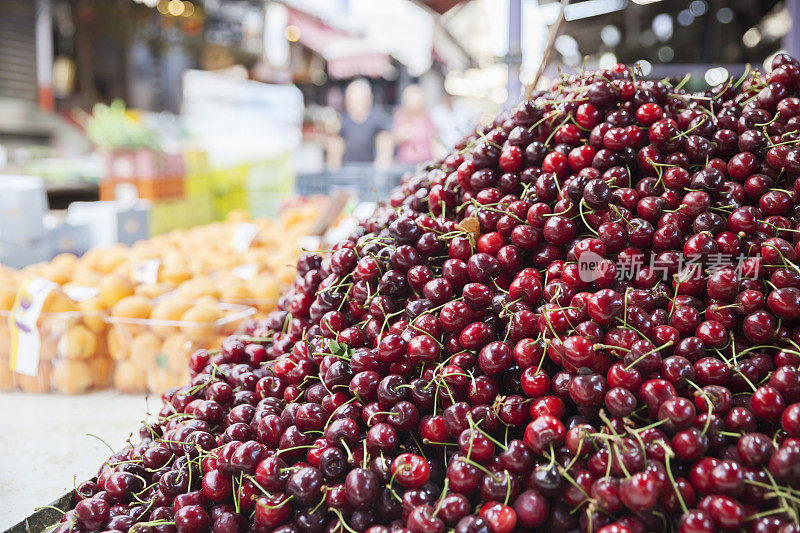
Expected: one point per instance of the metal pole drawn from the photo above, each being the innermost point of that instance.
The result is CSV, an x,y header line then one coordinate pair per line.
x,y
792,40
44,55
514,85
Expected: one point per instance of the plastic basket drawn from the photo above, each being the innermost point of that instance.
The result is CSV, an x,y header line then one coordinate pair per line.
x,y
362,181
153,355
73,356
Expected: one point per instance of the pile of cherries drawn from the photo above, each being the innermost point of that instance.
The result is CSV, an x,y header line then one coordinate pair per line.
x,y
585,318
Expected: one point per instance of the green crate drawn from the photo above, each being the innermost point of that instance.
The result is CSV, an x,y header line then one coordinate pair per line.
x,y
200,210
273,174
199,184
168,215
230,201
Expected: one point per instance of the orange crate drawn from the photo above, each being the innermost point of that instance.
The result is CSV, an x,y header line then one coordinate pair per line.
x,y
160,188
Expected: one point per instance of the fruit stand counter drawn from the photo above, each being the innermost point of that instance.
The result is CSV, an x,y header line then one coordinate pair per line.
x,y
46,447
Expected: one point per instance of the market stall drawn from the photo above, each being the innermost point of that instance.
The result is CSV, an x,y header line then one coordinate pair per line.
x,y
581,317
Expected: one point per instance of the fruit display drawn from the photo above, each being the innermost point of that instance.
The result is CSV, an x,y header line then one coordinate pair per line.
x,y
130,317
152,354
72,356
585,318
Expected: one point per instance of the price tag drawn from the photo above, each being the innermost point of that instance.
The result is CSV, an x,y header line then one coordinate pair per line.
x,y
78,293
22,322
311,243
246,272
146,272
243,236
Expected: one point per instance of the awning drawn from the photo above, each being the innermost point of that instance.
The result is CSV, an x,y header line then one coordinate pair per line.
x,y
441,6
346,55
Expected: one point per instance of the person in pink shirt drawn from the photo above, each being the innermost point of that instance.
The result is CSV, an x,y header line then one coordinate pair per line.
x,y
413,129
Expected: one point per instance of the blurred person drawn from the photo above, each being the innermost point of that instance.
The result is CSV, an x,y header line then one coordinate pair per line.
x,y
413,129
334,98
363,136
453,122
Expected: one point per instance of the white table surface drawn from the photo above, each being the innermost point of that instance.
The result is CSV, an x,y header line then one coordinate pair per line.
x,y
44,445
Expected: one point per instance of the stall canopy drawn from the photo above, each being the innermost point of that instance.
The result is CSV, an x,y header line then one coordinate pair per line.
x,y
440,6
346,54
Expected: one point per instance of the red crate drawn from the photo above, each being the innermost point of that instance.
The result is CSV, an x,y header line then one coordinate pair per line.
x,y
130,164
160,188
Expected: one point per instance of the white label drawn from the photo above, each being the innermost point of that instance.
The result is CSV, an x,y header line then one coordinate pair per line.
x,y
146,272
78,293
243,236
246,272
22,321
311,243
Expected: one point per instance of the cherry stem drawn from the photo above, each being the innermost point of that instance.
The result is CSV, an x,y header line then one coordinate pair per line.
x,y
478,466
62,511
668,453
441,497
338,513
638,359
347,449
301,447
101,440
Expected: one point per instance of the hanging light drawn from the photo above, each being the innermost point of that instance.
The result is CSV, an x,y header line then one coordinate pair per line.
x,y
176,8
292,33
725,15
666,54
610,35
751,37
607,60
662,26
698,8
685,17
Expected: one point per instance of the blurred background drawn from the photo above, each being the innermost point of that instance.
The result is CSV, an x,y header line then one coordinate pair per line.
x,y
213,85
206,106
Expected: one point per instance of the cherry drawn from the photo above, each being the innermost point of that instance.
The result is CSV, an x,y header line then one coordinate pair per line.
x,y
689,444
361,488
332,463
91,513
192,519
726,512
767,403
423,520
727,478
410,470
558,230
639,492
473,524
495,358
217,486
543,431
696,521
501,518
273,511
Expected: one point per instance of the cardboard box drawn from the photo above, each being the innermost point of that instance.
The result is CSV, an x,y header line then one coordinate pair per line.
x,y
70,238
23,204
112,222
22,255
